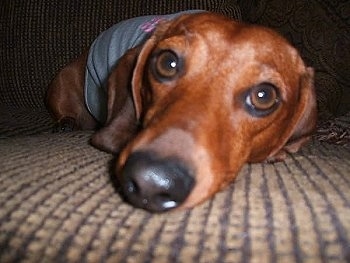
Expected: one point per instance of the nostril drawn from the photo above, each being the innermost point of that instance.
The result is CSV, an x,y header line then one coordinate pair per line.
x,y
164,200
132,187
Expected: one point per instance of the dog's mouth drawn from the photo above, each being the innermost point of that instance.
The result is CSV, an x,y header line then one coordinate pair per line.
x,y
154,183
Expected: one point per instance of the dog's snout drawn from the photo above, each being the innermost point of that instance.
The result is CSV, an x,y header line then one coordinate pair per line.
x,y
155,184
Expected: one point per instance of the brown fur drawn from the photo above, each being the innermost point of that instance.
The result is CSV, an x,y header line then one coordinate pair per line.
x,y
199,116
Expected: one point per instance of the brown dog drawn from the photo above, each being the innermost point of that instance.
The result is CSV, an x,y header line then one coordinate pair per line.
x,y
189,107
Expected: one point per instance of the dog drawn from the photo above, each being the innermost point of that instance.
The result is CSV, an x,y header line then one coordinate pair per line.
x,y
186,103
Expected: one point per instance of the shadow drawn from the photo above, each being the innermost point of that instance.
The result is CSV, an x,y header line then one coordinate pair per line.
x,y
113,177
112,173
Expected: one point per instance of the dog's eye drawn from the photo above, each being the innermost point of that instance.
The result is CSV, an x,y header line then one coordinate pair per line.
x,y
262,99
165,65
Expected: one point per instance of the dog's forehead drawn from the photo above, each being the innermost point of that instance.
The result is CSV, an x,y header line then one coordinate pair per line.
x,y
250,47
233,38
202,24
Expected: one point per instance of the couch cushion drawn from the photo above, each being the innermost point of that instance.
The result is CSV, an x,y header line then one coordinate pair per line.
x,y
24,121
335,130
38,37
57,204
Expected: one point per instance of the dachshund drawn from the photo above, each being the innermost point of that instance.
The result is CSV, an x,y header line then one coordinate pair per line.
x,y
186,103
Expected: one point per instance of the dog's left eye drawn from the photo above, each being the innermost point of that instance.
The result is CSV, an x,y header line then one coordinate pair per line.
x,y
165,65
262,99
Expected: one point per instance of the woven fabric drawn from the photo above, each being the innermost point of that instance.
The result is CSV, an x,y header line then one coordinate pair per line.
x,y
57,204
24,122
335,130
320,29
37,38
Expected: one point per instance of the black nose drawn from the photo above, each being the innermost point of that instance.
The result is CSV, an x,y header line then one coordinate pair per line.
x,y
155,184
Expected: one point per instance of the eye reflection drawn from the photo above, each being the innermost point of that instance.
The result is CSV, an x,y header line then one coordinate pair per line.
x,y
262,99
166,65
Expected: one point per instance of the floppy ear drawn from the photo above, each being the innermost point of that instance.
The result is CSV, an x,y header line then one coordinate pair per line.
x,y
304,120
139,90
125,98
121,122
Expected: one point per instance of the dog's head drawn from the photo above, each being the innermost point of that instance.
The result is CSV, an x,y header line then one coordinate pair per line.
x,y
209,95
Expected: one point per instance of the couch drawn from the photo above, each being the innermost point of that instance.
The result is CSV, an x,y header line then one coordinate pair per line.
x,y
57,201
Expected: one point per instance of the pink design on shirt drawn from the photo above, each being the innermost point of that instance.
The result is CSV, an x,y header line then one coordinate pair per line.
x,y
150,25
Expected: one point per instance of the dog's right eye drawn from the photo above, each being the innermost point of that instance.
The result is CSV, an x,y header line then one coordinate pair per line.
x,y
262,99
166,65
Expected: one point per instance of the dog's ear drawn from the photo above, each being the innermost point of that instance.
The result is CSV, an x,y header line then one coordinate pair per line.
x,y
139,88
127,95
304,120
307,113
121,123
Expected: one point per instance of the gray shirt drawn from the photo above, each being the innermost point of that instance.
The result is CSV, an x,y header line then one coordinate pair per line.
x,y
107,49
